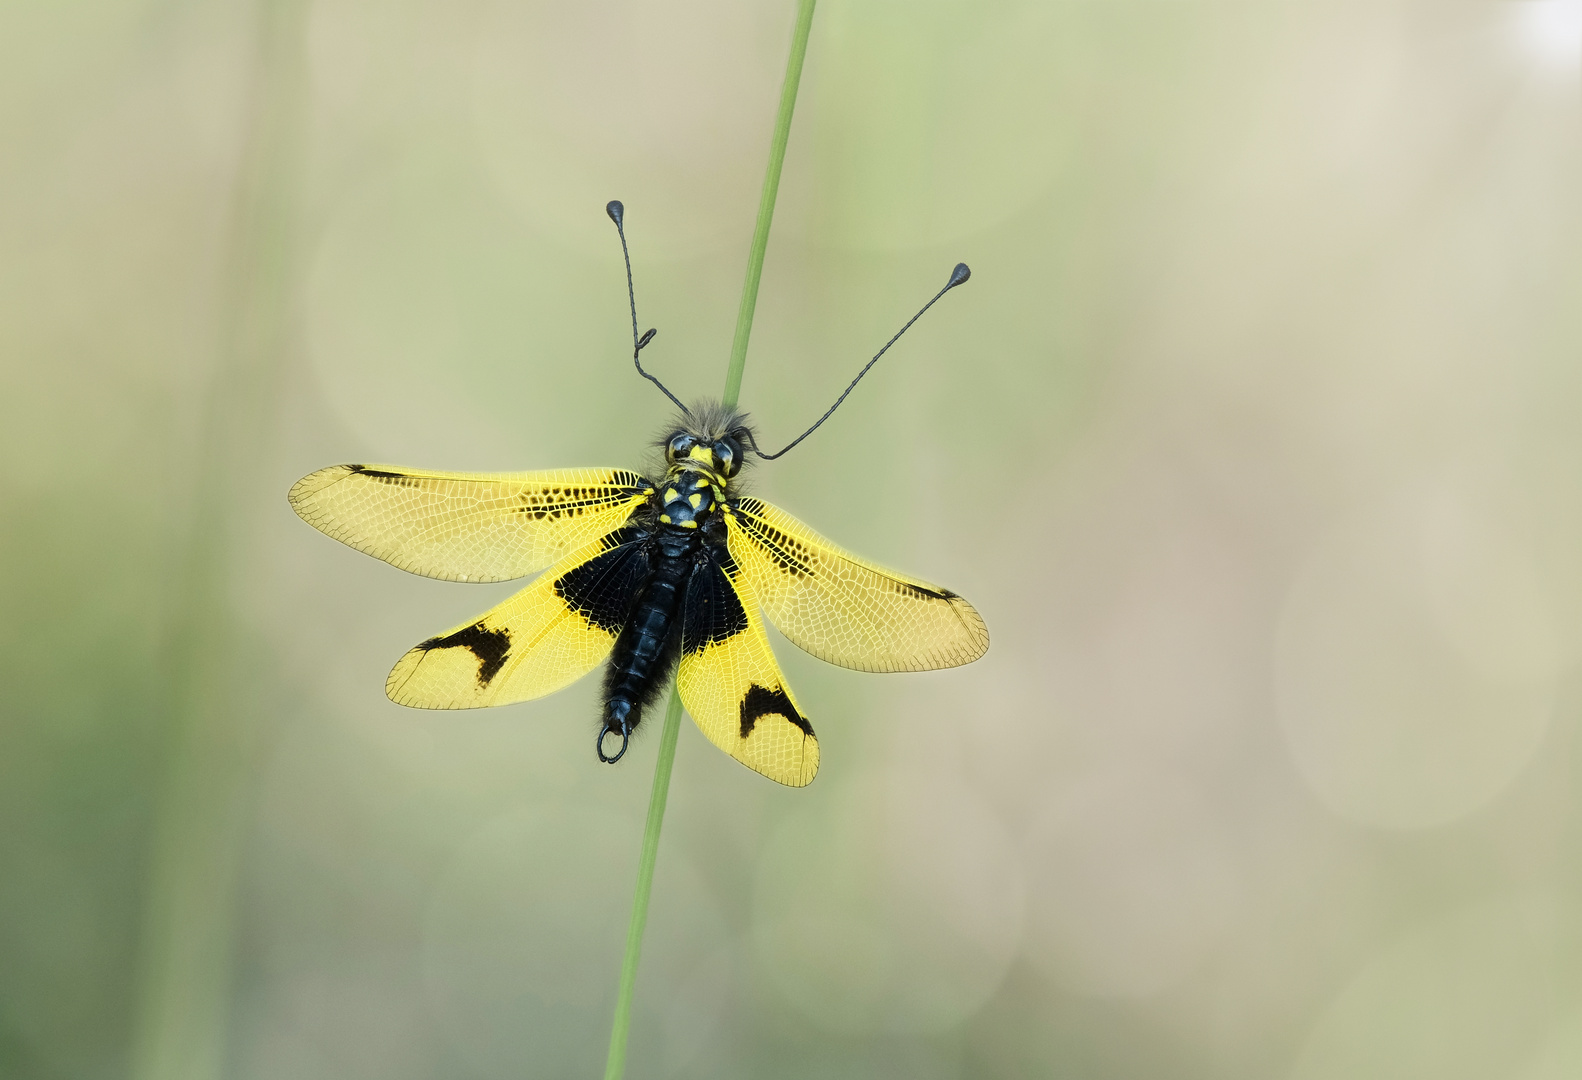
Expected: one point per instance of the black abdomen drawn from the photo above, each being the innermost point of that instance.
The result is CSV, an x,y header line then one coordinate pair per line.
x,y
646,648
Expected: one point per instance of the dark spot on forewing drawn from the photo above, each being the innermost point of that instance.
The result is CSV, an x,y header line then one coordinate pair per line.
x,y
569,500
553,502
401,479
789,554
761,701
792,555
491,647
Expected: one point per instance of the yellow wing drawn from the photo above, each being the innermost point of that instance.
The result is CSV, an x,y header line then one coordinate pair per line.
x,y
845,610
545,637
731,685
466,526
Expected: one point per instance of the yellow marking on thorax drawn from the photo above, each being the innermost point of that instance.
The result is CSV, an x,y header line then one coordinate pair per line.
x,y
681,470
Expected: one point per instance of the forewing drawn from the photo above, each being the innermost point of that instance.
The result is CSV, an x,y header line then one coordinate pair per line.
x,y
730,683
466,526
844,609
545,637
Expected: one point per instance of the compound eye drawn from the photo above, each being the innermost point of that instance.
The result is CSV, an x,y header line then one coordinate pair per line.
x,y
680,445
727,453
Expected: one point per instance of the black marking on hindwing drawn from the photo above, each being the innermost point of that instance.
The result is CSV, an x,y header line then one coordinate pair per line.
x,y
762,701
601,589
491,647
714,611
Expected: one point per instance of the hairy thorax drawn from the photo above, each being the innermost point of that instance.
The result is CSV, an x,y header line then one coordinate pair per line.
x,y
688,496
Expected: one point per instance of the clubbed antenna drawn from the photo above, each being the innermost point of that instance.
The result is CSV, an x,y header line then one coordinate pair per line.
x,y
617,214
960,274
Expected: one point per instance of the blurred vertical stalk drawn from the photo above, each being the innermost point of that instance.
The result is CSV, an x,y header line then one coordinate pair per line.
x,y
214,688
615,1063
766,205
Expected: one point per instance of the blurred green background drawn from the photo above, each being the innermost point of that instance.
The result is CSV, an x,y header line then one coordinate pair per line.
x,y
1256,438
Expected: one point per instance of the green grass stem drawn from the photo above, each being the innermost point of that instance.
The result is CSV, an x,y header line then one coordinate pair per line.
x,y
766,205
615,1063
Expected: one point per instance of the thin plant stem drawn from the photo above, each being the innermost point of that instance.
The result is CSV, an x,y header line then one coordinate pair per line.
x,y
615,1063
766,205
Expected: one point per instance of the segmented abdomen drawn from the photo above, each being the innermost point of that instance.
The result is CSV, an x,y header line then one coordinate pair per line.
x,y
647,645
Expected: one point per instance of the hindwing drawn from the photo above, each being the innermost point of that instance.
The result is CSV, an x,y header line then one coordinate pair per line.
x,y
729,680
467,526
545,637
843,609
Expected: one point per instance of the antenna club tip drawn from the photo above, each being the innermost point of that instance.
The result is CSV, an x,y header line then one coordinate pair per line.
x,y
960,274
615,210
